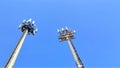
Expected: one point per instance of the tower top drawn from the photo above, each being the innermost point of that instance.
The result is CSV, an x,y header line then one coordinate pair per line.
x,y
66,34
28,25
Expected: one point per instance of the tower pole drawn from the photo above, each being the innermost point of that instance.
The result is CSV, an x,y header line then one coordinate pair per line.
x,y
16,51
68,35
75,55
27,27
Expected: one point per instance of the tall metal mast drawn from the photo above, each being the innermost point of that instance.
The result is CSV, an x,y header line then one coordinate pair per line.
x,y
66,34
27,27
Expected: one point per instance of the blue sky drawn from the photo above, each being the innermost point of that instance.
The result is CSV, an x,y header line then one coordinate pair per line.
x,y
97,38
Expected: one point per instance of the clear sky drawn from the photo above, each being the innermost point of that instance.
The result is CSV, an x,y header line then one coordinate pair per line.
x,y
97,38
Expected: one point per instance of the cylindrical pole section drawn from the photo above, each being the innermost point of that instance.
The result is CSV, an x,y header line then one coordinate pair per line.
x,y
75,55
16,51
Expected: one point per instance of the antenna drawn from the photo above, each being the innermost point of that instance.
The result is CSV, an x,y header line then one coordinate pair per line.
x,y
33,22
66,27
58,30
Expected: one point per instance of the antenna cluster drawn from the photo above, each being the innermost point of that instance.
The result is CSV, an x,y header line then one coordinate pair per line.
x,y
66,34
28,25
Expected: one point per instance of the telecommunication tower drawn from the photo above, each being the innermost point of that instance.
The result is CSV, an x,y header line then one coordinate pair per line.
x,y
68,35
27,27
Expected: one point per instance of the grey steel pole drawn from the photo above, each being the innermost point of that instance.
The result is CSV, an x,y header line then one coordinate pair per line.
x,y
16,51
68,35
75,55
27,27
